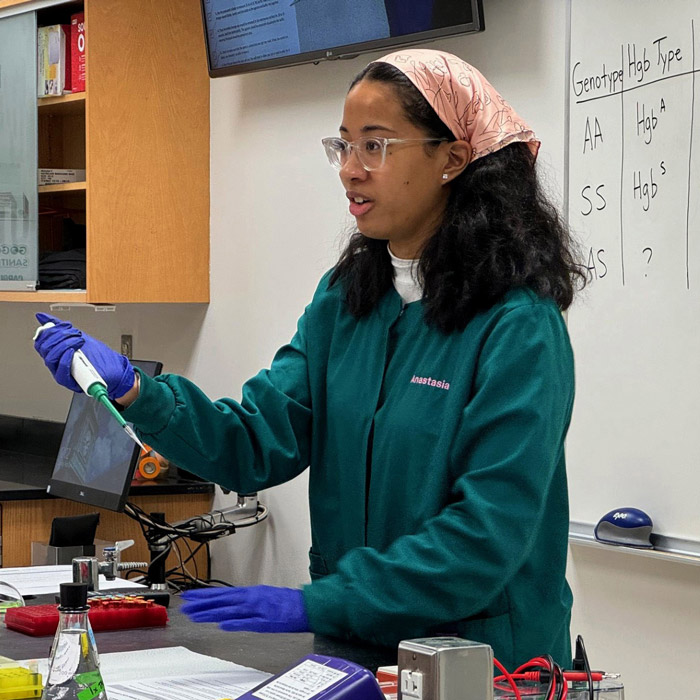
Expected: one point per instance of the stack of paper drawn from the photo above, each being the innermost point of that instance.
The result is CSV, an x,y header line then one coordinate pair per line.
x,y
155,674
35,580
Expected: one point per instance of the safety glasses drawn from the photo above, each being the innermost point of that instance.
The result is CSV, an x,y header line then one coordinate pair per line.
x,y
370,150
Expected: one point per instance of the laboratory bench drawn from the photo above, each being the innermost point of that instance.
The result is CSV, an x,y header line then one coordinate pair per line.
x,y
28,450
265,652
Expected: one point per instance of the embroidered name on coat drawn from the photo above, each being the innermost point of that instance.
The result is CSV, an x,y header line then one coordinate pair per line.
x,y
429,381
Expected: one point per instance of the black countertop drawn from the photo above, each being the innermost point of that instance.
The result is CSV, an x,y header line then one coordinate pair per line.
x,y
28,449
265,652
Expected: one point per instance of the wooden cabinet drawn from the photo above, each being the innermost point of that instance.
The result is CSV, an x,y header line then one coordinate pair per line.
x,y
24,522
141,131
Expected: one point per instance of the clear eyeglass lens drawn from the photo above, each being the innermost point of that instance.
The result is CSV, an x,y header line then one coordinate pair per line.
x,y
336,151
370,151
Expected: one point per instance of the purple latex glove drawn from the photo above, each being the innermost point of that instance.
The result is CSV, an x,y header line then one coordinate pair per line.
x,y
58,344
248,608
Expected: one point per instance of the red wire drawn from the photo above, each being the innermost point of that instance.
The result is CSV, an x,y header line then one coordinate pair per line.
x,y
535,676
520,674
537,661
509,678
543,663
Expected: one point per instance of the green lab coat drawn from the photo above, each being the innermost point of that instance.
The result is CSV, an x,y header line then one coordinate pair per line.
x,y
437,483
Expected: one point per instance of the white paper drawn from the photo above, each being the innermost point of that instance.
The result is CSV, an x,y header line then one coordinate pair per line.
x,y
164,662
204,686
35,580
166,673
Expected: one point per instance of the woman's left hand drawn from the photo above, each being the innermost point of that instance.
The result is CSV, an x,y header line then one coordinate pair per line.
x,y
248,608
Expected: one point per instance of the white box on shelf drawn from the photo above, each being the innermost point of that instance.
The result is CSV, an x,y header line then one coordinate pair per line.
x,y
53,60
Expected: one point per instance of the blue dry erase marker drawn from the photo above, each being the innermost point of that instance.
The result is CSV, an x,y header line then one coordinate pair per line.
x,y
89,380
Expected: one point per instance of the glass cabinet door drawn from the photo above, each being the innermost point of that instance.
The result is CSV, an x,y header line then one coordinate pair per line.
x,y
18,153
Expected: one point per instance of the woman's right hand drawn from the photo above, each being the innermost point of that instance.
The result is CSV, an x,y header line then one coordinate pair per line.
x,y
57,345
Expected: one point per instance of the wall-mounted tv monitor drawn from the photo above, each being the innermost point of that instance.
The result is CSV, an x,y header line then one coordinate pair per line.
x,y
250,35
96,460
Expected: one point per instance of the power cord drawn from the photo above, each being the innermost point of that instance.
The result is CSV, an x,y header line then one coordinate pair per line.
x,y
200,528
162,537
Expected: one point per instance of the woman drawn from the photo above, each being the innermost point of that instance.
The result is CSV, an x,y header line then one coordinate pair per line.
x,y
428,388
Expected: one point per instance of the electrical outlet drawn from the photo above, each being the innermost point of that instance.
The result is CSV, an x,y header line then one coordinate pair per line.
x,y
411,684
128,346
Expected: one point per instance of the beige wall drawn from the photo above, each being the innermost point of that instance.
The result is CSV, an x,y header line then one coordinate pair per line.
x,y
277,218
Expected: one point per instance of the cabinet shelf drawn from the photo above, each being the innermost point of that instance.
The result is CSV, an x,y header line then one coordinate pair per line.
x,y
72,103
141,133
65,187
49,296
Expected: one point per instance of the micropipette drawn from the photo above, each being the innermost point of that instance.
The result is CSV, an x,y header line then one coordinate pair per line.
x,y
92,384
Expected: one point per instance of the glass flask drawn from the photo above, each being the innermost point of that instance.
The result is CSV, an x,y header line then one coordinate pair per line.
x,y
74,666
10,597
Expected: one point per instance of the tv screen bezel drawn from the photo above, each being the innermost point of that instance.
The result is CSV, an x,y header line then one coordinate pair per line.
x,y
348,51
110,500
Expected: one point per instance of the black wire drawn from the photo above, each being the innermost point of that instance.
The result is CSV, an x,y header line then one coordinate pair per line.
x,y
189,581
163,553
199,583
135,571
562,681
151,535
143,528
185,573
196,549
154,531
187,529
194,561
581,647
552,678
192,555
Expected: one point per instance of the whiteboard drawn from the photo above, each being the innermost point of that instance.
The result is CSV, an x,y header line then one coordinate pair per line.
x,y
634,203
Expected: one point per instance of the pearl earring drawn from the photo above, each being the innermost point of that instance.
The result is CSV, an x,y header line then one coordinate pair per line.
x,y
444,176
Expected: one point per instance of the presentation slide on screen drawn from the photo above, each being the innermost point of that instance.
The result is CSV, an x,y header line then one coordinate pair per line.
x,y
242,31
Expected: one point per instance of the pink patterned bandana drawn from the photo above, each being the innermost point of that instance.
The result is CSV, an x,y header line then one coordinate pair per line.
x,y
468,104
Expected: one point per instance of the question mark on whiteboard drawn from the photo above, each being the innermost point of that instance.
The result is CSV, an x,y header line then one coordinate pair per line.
x,y
649,258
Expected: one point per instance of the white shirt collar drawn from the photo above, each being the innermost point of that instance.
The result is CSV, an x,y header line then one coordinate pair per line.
x,y
406,278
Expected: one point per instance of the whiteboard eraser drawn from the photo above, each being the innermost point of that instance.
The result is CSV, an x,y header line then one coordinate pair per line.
x,y
630,527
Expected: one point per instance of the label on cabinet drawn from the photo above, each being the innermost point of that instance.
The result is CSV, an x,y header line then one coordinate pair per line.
x,y
59,176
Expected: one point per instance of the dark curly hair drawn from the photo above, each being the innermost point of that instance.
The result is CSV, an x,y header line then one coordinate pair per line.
x,y
498,232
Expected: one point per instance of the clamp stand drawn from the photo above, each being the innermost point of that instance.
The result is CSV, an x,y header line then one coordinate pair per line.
x,y
88,569
159,546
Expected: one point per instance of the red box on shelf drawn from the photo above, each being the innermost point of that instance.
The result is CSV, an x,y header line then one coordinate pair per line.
x,y
105,614
77,50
